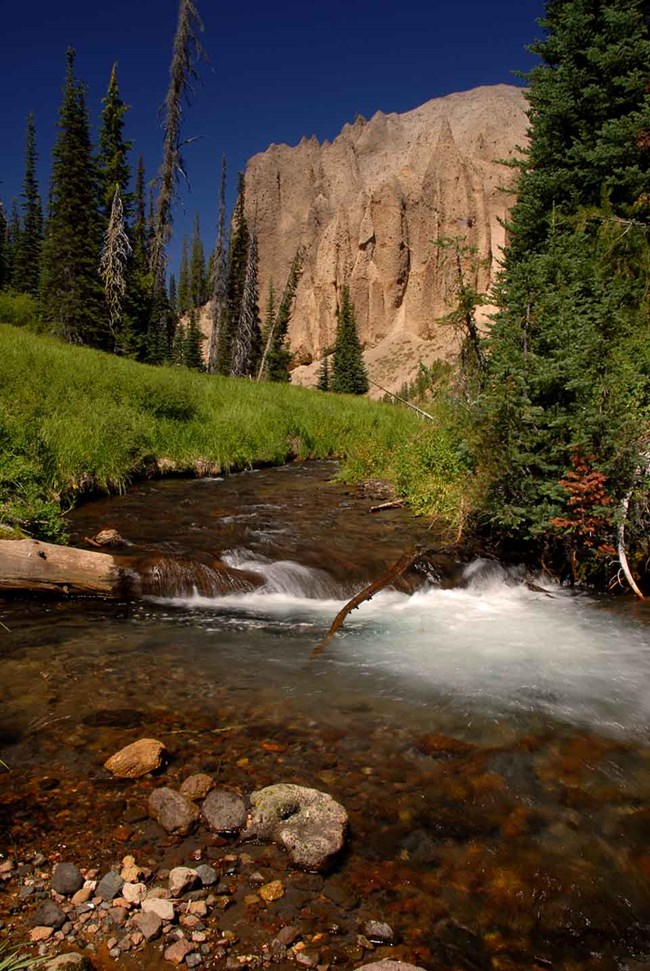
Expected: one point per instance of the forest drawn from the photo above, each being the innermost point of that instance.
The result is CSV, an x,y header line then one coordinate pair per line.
x,y
540,430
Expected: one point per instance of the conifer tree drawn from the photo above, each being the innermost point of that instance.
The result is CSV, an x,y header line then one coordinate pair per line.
x,y
277,356
218,278
237,262
568,366
173,295
71,294
13,242
197,271
28,253
114,169
348,370
247,343
4,266
192,353
137,302
324,376
184,290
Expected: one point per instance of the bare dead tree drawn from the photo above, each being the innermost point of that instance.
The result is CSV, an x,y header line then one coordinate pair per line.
x,y
112,264
219,275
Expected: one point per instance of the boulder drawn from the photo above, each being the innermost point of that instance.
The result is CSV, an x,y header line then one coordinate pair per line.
x,y
174,812
308,823
135,760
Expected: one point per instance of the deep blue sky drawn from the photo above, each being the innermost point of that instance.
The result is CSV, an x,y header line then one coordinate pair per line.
x,y
275,73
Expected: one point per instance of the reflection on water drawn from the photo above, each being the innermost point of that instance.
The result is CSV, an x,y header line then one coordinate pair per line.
x,y
535,830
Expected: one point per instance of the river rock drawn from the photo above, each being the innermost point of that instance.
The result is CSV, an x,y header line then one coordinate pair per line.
x,y
176,953
135,760
109,886
197,786
134,893
308,823
174,812
207,875
379,933
162,908
149,924
108,537
67,879
389,966
68,962
49,915
224,811
182,879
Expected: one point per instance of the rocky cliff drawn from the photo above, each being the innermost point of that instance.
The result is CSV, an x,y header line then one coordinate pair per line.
x,y
367,207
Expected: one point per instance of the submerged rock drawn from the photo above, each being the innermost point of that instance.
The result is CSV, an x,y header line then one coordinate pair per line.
x,y
174,812
308,823
135,760
69,962
197,786
389,966
224,811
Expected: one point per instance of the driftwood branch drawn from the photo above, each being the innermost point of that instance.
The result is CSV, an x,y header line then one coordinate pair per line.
x,y
393,573
391,504
409,404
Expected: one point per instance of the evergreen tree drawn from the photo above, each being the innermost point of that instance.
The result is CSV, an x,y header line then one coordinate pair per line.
x,y
71,294
277,356
237,263
184,288
569,368
114,169
172,295
13,243
218,277
197,271
348,370
192,343
247,343
4,265
28,253
324,376
138,299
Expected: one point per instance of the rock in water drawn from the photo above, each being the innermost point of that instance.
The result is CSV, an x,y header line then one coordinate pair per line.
x,y
308,823
69,962
135,760
224,811
49,915
197,786
182,879
388,966
174,812
67,879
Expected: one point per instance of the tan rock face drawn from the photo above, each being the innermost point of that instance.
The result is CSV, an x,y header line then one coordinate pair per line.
x,y
367,207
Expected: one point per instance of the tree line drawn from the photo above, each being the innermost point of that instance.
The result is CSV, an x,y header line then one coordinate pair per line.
x,y
94,258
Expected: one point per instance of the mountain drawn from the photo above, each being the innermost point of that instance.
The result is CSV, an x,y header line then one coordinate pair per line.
x,y
367,208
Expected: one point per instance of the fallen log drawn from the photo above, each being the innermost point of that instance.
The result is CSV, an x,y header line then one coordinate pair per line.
x,y
391,504
32,566
392,573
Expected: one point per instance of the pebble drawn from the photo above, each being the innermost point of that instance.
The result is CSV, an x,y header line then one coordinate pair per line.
x,y
174,812
67,879
49,915
207,875
307,958
162,908
41,934
134,893
135,760
379,933
193,960
224,811
149,925
82,896
272,891
69,962
287,935
182,879
197,786
109,886
177,952
198,908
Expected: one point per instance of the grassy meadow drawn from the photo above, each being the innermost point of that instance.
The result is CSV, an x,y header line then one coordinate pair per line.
x,y
74,420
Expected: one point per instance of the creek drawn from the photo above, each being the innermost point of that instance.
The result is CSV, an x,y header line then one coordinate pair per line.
x,y
490,741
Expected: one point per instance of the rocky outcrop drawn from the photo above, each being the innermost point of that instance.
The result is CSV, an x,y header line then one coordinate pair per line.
x,y
367,207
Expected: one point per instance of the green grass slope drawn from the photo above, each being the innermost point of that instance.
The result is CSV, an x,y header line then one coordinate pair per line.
x,y
74,420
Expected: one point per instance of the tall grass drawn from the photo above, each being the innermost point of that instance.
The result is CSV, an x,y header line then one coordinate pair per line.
x,y
74,420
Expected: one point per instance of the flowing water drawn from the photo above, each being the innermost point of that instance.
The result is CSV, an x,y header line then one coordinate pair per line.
x,y
489,738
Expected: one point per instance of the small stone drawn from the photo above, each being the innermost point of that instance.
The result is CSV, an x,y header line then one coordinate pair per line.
x,y
130,871
207,875
389,966
67,879
252,900
118,915
41,934
182,879
163,908
82,896
193,960
138,937
114,953
177,952
307,958
224,811
135,760
272,891
134,893
6,867
149,925
199,937
197,786
49,915
174,812
287,935
379,933
109,886
108,537
111,942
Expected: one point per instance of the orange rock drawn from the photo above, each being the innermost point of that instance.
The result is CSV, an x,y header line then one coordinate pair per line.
x,y
137,759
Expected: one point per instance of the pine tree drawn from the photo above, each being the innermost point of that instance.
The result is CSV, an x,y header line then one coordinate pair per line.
x,y
184,289
28,254
4,266
138,303
197,271
172,295
114,168
324,376
13,243
569,367
192,354
71,294
247,343
218,277
237,262
277,356
348,370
